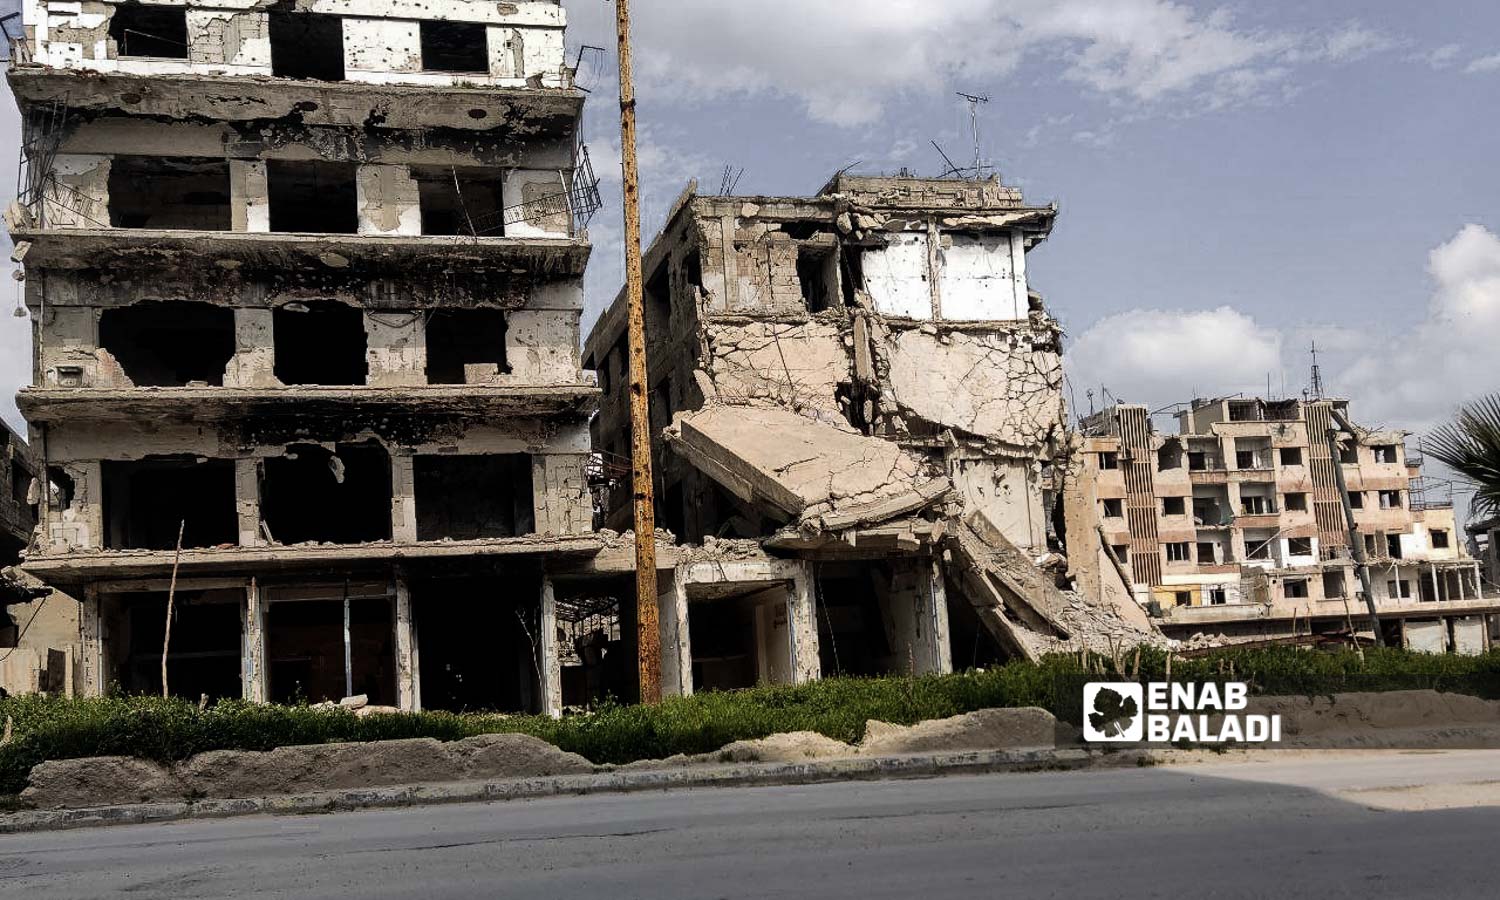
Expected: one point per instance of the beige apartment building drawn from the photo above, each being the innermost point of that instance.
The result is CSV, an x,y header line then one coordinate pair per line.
x,y
1234,524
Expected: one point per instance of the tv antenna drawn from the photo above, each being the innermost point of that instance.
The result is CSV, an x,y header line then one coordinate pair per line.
x,y
978,169
1317,373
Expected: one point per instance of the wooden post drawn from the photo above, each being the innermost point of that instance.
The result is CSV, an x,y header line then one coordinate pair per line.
x,y
166,638
648,637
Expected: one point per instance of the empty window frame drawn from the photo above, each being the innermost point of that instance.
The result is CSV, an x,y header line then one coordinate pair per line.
x,y
465,346
1122,552
1109,460
1356,500
307,45
165,192
1299,546
146,501
1333,585
1348,453
456,201
1294,588
1296,502
1393,546
1208,553
157,31
1390,499
1174,506
1439,539
319,342
1169,457
339,496
313,197
473,497
169,344
1179,551
1291,456
1384,453
1113,509
205,650
1218,596
455,47
817,273
1398,590
1258,547
1255,505
1182,598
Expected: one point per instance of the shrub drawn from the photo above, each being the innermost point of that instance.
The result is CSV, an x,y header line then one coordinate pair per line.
x,y
168,730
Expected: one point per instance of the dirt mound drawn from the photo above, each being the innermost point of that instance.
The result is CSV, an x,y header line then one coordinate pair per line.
x,y
1311,718
793,746
230,774
987,729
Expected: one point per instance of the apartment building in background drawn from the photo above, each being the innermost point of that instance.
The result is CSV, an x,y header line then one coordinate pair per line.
x,y
305,281
1233,524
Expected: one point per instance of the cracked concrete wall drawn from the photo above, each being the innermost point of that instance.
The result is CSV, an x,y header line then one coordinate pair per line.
x,y
1008,492
998,386
800,366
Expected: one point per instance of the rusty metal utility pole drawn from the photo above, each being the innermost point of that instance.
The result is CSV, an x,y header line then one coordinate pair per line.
x,y
648,634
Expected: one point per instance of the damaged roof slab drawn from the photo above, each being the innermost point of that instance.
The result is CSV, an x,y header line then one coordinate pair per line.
x,y
826,476
106,248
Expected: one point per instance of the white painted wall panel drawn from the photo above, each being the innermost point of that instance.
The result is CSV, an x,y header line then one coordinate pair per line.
x,y
978,280
896,277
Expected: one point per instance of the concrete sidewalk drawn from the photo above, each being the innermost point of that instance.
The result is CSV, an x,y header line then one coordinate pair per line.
x,y
618,781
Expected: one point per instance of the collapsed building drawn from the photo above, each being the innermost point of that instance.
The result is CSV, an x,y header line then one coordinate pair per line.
x,y
859,393
305,281
1235,525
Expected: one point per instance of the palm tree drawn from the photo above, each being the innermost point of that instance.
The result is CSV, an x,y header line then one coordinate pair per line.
x,y
1470,446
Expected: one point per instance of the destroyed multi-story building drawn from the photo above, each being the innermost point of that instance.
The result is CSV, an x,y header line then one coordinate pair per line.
x,y
1234,524
862,391
306,280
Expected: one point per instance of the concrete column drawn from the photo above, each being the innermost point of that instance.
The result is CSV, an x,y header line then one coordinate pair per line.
x,y
802,623
551,664
249,196
247,501
396,349
91,640
389,201
254,360
676,640
403,500
408,670
942,645
254,677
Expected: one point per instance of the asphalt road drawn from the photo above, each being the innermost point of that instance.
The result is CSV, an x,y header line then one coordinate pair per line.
x,y
1322,826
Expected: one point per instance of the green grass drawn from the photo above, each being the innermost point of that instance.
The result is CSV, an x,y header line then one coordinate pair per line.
x,y
171,730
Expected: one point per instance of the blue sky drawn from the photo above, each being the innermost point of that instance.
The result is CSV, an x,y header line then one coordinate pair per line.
x,y
1235,179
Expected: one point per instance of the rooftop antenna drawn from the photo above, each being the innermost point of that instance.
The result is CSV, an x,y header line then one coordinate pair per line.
x,y
974,101
1317,373
730,180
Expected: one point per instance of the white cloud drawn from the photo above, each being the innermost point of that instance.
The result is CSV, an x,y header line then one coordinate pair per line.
x,y
843,61
1412,379
1416,379
15,357
1438,57
1157,357
1484,65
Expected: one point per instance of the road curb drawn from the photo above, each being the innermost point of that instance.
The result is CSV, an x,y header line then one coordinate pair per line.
x,y
615,781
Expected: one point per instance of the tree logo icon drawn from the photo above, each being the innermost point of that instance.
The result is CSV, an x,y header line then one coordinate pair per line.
x,y
1112,711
